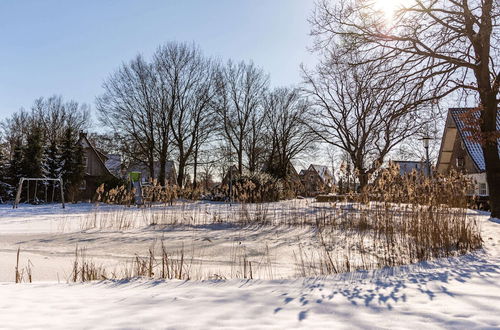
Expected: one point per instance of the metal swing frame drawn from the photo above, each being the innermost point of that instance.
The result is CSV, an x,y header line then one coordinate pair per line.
x,y
20,187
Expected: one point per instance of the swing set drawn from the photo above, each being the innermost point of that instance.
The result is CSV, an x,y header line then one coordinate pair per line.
x,y
35,194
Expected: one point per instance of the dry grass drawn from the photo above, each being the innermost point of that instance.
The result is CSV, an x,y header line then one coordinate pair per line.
x,y
395,221
84,269
24,274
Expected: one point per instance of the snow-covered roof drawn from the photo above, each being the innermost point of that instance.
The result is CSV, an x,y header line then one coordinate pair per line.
x,y
473,147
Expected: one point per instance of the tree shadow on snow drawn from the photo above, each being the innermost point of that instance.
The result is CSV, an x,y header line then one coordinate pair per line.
x,y
388,283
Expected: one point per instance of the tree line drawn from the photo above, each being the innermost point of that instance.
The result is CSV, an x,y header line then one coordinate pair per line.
x,y
205,114
42,143
377,86
200,111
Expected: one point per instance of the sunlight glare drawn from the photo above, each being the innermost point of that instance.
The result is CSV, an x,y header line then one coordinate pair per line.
x,y
389,7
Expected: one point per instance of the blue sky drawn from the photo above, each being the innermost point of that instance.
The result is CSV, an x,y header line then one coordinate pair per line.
x,y
69,47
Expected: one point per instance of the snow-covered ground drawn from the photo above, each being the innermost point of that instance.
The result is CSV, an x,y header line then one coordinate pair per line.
x,y
460,292
112,236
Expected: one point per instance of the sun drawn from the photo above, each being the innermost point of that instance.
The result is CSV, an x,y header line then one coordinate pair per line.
x,y
389,7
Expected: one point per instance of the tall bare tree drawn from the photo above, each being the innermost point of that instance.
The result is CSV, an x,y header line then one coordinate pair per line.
x,y
51,116
239,94
365,110
190,79
55,115
288,135
134,105
451,45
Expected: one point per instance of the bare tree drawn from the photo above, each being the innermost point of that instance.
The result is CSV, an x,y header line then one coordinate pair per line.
x,y
128,107
190,79
255,143
52,116
286,115
239,94
365,110
451,45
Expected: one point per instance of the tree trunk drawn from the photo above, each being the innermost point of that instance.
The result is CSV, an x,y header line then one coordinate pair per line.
x,y
180,175
195,165
163,163
151,165
240,161
491,155
490,145
493,177
363,181
161,175
195,169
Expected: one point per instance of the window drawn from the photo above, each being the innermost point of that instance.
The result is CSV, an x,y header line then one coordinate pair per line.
x,y
483,191
83,185
460,162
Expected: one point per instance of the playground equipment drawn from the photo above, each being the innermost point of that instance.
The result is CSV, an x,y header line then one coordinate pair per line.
x,y
135,182
35,194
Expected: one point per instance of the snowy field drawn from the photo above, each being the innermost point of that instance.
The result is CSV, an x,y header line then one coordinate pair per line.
x,y
460,292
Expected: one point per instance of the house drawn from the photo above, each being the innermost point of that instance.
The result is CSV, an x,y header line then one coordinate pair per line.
x,y
98,167
231,173
316,179
459,152
170,173
407,167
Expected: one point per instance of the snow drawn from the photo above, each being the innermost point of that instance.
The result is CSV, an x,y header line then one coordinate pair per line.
x,y
461,292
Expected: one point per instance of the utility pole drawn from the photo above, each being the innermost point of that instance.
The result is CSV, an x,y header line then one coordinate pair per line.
x,y
426,139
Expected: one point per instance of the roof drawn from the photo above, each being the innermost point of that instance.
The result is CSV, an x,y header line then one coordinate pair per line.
x,y
113,163
83,138
143,168
472,147
322,171
407,166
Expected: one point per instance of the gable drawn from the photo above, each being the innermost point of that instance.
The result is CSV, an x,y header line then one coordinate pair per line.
x,y
473,148
456,141
94,164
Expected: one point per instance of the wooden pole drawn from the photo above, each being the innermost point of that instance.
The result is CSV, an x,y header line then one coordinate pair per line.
x,y
62,192
18,194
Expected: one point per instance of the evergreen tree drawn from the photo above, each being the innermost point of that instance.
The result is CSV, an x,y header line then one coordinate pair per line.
x,y
52,161
15,172
52,169
72,166
3,168
32,162
4,186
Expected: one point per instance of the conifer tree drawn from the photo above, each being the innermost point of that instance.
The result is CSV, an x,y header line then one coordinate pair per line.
x,y
52,167
15,172
32,163
72,167
52,161
4,186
